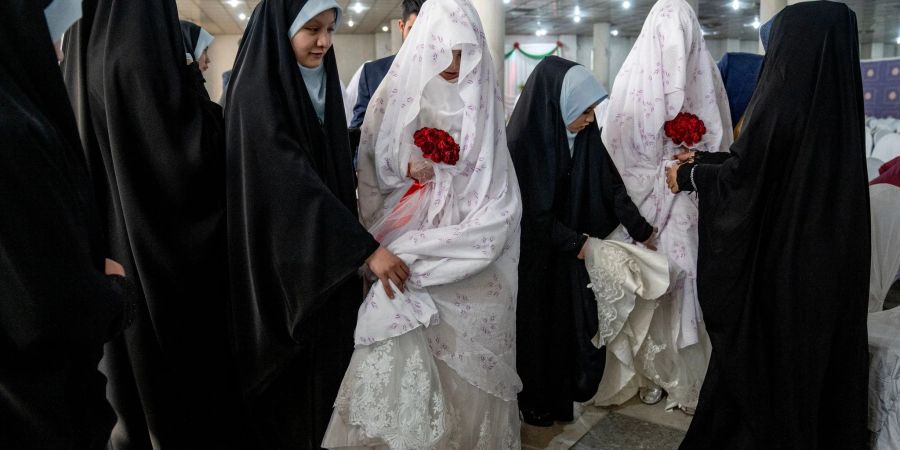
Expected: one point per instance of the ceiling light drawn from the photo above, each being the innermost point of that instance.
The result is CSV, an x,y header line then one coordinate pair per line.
x,y
576,19
577,11
233,3
350,23
755,23
358,7
614,32
385,28
505,2
540,32
626,4
242,16
898,41
736,5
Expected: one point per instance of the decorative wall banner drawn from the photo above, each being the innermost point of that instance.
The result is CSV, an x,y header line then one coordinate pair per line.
x,y
881,87
538,56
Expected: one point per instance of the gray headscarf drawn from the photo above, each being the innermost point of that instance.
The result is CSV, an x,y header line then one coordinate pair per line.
x,y
580,91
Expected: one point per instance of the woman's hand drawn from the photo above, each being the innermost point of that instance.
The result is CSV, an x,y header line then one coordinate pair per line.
x,y
114,268
672,177
650,243
685,156
388,267
584,249
421,171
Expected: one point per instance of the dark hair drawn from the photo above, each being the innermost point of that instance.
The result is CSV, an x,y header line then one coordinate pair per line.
x,y
411,7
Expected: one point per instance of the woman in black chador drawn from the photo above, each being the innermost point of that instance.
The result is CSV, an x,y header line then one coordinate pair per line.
x,y
57,307
570,189
783,271
295,243
156,158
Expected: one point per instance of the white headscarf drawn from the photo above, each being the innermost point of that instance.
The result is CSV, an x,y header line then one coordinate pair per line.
x,y
314,78
668,71
60,15
464,247
580,91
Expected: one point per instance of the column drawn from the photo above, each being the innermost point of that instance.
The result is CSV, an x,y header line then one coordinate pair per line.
x,y
767,10
732,45
396,36
601,53
877,50
493,18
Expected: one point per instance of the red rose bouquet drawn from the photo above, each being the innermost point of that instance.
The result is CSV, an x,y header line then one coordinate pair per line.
x,y
437,145
685,129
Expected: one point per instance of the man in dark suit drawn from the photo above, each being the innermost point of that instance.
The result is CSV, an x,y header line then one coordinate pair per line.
x,y
374,71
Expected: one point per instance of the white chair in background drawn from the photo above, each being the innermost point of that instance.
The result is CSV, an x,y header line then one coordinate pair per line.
x,y
884,379
880,133
887,148
872,165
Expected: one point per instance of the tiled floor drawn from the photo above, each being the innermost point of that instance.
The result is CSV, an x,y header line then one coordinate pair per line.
x,y
630,426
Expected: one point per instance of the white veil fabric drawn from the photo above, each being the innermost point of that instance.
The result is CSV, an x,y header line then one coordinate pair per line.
x,y
464,255
668,71
436,367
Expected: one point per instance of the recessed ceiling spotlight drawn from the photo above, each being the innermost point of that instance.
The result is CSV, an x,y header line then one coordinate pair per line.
x,y
505,2
755,23
576,19
233,3
736,5
350,23
385,28
614,32
358,7
626,4
242,16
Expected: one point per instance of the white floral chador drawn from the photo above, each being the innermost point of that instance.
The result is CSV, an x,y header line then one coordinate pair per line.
x,y
435,367
668,71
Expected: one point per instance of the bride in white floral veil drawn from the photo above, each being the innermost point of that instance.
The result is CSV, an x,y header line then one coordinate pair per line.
x,y
434,366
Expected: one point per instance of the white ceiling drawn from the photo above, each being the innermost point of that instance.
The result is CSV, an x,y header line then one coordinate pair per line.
x,y
879,20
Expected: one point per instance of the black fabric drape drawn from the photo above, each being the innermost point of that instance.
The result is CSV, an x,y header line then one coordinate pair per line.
x,y
783,266
295,243
158,168
57,307
564,196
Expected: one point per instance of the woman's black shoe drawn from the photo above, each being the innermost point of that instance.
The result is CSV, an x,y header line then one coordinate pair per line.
x,y
537,419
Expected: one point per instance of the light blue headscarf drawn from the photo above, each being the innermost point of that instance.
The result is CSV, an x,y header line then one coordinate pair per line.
x,y
311,9
60,15
765,31
580,91
203,42
314,78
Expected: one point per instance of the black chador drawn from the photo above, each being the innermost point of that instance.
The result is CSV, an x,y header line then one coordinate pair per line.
x,y
566,194
155,155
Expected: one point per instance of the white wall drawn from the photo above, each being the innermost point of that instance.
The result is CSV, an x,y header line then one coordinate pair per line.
x,y
221,55
352,50
382,45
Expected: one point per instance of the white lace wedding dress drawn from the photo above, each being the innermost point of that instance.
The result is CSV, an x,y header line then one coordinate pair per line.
x,y
435,368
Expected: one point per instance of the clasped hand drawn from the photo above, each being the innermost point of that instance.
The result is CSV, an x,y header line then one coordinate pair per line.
x,y
685,156
388,268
